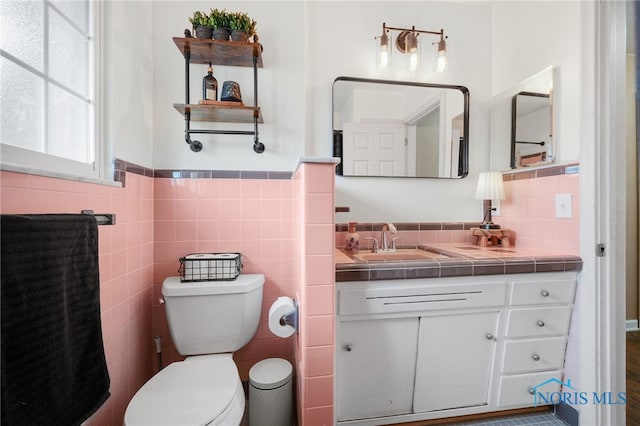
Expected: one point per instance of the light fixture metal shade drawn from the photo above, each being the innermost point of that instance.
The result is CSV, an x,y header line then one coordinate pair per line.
x,y
490,186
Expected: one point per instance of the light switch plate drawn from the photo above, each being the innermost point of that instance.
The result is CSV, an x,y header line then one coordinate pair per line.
x,y
564,208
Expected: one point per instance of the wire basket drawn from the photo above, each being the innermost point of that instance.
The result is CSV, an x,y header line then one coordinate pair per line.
x,y
210,267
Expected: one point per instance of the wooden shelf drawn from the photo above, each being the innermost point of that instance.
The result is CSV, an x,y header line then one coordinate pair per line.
x,y
214,113
218,52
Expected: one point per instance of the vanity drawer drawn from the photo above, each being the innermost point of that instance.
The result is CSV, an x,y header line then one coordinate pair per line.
x,y
534,322
412,298
522,390
526,356
543,292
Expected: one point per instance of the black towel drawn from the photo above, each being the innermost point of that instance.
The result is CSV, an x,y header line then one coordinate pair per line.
x,y
53,365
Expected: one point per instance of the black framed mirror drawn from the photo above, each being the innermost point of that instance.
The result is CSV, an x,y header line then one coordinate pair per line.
x,y
388,128
531,129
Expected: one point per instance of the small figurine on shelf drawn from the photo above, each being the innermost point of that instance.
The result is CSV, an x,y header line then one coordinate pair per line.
x,y
231,92
352,239
209,86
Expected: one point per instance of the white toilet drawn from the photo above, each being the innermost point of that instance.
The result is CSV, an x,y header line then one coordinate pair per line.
x,y
208,322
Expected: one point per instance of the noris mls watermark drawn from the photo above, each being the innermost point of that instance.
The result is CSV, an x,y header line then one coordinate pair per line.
x,y
572,396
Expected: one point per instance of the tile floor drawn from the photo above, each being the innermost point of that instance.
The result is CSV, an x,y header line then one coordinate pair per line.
x,y
546,419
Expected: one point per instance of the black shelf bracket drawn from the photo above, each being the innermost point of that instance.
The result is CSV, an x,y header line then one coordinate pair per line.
x,y
258,146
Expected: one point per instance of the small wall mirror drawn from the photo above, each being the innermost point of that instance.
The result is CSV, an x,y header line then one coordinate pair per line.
x,y
400,129
531,129
523,123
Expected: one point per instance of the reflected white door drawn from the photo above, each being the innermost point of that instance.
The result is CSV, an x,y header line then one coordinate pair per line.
x,y
374,149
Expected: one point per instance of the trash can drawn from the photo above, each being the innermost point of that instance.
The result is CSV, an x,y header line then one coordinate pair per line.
x,y
270,393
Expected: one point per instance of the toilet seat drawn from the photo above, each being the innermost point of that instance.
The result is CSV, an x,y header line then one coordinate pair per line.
x,y
201,390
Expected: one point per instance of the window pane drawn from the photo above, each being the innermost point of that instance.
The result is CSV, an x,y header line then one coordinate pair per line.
x,y
68,54
76,11
21,107
21,35
68,126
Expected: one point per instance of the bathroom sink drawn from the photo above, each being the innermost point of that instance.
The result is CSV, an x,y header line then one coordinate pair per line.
x,y
400,254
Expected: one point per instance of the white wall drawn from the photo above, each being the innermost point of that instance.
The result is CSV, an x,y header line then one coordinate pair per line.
x,y
280,90
491,47
527,37
339,44
128,80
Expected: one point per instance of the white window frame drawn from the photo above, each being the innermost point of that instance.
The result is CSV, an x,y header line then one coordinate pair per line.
x,y
18,159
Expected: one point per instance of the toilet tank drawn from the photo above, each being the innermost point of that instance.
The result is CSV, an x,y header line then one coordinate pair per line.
x,y
211,317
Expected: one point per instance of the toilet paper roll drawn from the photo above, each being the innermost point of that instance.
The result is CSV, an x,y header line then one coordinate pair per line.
x,y
283,305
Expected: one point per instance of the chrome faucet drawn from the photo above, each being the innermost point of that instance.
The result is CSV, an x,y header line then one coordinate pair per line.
x,y
383,236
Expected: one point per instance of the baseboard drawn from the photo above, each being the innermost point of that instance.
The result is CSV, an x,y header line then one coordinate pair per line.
x,y
567,413
632,325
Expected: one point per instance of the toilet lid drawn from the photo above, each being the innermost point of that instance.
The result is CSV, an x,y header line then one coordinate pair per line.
x,y
191,392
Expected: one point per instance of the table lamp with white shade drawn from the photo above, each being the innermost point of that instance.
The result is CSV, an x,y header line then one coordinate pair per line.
x,y
490,187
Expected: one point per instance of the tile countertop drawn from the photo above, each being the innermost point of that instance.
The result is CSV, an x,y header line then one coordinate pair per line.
x,y
462,260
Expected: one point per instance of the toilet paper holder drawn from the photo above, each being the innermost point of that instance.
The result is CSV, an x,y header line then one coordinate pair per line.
x,y
291,318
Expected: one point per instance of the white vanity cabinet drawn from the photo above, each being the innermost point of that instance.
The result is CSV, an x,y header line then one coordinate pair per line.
x,y
376,363
462,346
410,350
535,340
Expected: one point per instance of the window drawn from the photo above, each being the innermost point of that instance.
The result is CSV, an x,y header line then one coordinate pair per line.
x,y
48,72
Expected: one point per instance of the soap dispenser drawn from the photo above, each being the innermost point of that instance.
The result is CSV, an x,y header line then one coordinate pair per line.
x,y
352,239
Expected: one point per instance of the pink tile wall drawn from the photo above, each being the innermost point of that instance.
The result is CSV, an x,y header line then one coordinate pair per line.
x,y
250,216
126,262
314,240
529,209
283,228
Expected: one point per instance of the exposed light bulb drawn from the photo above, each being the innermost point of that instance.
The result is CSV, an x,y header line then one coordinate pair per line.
x,y
441,62
413,51
383,60
413,61
383,56
441,56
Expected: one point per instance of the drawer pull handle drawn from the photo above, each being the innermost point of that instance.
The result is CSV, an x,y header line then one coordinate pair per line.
x,y
348,348
489,336
544,293
540,323
535,357
532,391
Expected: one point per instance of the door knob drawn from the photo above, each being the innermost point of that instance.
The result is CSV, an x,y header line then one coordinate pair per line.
x,y
348,347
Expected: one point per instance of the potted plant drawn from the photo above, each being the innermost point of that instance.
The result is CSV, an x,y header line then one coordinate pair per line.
x,y
219,21
242,26
200,22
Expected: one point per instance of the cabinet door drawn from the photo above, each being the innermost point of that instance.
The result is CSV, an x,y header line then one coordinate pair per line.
x,y
375,367
455,359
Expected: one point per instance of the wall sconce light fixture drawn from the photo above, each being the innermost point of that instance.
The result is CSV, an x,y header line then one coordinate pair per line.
x,y
407,43
490,187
